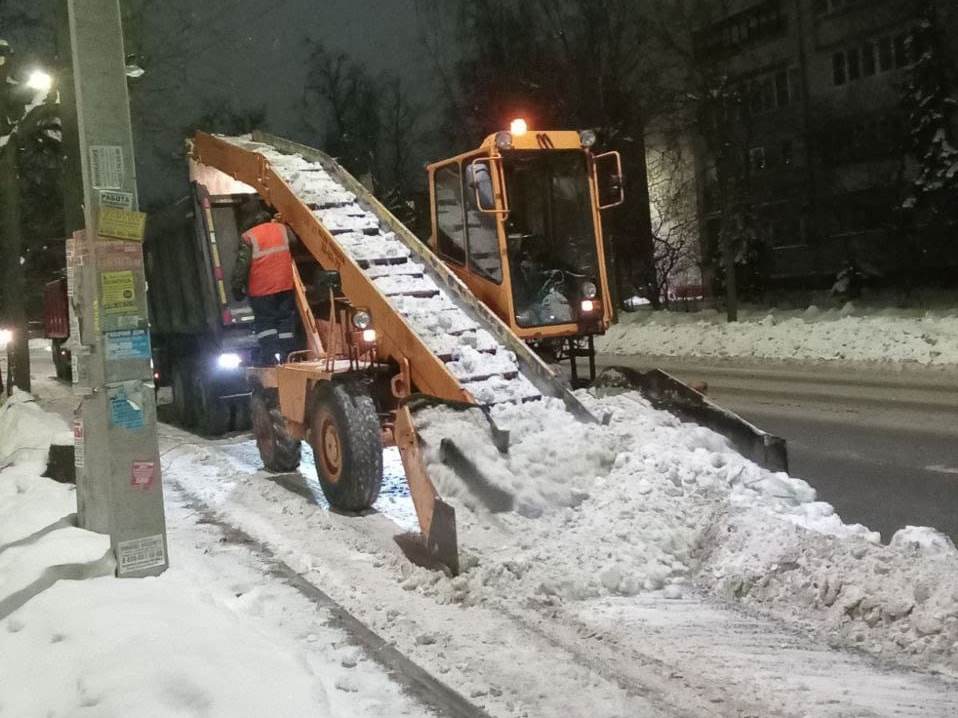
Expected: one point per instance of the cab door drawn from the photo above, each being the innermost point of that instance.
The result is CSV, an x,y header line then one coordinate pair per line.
x,y
467,239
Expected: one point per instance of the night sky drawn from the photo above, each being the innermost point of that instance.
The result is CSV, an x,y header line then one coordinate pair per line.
x,y
245,54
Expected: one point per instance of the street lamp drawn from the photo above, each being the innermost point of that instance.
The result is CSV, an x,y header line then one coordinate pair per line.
x,y
40,81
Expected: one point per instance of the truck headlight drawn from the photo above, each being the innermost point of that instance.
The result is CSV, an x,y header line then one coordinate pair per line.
x,y
589,290
361,319
587,138
504,140
229,361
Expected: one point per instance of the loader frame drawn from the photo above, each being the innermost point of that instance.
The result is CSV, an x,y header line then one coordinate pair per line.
x,y
399,362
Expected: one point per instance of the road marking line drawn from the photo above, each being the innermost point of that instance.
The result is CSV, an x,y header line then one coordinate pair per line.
x,y
942,469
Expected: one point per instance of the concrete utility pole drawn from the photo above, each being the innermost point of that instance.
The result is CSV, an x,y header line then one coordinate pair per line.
x,y
119,491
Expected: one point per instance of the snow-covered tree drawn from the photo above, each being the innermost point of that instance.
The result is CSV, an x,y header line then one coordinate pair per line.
x,y
930,106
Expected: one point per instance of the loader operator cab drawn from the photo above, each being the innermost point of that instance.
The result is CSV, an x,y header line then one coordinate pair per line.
x,y
519,221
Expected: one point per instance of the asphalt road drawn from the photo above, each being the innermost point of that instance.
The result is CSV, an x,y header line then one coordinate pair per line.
x,y
880,446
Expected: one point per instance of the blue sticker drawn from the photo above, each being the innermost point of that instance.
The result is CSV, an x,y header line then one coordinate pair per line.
x,y
128,344
124,413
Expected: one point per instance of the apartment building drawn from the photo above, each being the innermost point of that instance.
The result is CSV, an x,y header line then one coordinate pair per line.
x,y
817,133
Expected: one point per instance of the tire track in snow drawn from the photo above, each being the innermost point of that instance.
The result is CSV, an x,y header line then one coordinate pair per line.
x,y
419,683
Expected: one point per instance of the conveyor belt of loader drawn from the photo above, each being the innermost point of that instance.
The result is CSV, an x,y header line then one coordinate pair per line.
x,y
426,319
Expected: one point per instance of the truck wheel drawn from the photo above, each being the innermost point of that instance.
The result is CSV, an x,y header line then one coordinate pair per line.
x,y
345,435
241,419
212,414
182,406
61,360
279,451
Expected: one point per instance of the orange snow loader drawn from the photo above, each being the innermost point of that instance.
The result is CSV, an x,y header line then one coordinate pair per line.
x,y
390,325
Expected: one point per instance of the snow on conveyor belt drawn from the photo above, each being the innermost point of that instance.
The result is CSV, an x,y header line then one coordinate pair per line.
x,y
482,365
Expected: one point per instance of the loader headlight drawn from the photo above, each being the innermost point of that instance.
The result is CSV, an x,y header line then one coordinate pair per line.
x,y
589,290
504,140
587,306
361,319
369,336
587,138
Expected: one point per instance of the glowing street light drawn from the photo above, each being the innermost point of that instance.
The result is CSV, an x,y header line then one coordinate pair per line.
x,y
6,336
40,81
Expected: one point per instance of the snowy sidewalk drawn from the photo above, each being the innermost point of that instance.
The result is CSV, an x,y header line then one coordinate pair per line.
x,y
216,635
888,336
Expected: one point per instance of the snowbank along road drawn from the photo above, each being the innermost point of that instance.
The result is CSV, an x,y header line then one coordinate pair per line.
x,y
878,445
887,336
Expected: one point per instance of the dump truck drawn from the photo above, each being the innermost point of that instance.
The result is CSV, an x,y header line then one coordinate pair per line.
x,y
202,336
389,324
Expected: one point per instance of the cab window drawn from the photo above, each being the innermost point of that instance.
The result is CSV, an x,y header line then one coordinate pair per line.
x,y
484,258
450,230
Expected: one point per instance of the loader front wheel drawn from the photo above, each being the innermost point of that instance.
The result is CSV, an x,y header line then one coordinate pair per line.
x,y
347,444
279,451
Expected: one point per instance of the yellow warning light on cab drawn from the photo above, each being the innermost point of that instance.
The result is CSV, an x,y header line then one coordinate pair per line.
x,y
518,127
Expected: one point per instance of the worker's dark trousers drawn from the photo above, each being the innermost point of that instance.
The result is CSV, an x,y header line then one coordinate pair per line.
x,y
275,325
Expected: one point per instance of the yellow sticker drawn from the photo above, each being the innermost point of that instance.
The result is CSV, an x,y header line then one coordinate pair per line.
x,y
122,224
119,292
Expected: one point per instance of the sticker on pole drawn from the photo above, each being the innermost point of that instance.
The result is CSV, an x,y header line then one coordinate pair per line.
x,y
126,406
140,554
119,292
79,455
119,200
127,344
121,224
106,166
142,474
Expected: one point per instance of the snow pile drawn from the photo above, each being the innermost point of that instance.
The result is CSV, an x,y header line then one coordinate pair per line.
x,y
29,502
888,335
26,431
648,503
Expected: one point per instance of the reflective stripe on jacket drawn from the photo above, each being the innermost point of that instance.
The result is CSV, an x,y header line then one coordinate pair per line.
x,y
271,270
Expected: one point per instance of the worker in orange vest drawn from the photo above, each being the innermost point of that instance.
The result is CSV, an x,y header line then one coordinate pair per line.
x,y
264,271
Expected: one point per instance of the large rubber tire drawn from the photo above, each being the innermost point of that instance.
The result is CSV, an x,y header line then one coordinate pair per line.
x,y
347,444
212,413
182,405
278,450
61,360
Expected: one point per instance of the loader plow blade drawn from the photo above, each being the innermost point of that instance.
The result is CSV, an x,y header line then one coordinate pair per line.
x,y
437,519
666,392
